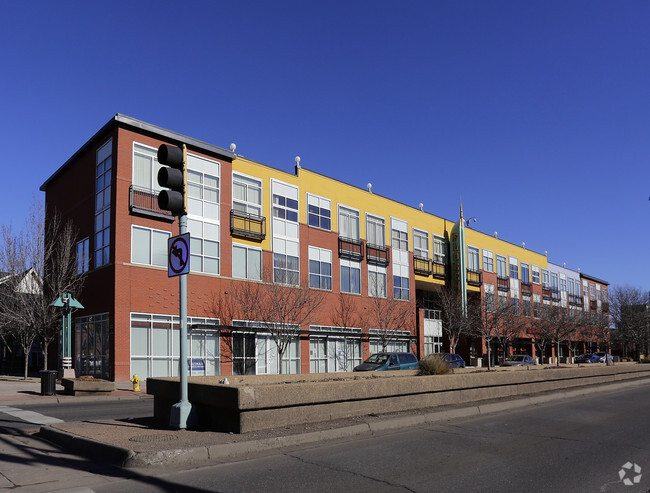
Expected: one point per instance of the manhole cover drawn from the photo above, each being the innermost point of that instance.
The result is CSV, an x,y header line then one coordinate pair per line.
x,y
152,438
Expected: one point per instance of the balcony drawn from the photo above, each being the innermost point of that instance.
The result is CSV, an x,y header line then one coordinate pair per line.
x,y
377,254
526,288
422,266
546,292
474,277
605,307
247,225
575,299
503,283
555,295
593,305
350,248
145,201
438,270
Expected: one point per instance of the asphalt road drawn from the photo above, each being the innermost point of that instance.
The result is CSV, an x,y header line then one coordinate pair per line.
x,y
29,417
568,445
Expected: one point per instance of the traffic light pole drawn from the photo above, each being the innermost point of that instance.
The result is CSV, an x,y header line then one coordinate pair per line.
x,y
180,412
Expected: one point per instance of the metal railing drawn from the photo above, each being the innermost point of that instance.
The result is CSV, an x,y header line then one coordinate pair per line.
x,y
247,225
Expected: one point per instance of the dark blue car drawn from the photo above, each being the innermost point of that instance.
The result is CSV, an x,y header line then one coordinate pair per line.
x,y
454,360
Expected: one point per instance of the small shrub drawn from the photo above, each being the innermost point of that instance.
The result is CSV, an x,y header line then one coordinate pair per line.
x,y
434,365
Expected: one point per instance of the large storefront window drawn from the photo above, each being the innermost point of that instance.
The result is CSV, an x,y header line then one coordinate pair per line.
x,y
155,345
330,351
395,343
92,346
254,352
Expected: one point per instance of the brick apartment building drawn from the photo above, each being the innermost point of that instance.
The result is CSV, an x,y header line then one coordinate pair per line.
x,y
249,223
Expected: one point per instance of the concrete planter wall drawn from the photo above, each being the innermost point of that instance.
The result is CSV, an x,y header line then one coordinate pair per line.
x,y
261,402
72,386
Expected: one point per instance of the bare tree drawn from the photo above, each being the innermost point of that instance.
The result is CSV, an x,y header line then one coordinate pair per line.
x,y
629,308
41,264
275,309
386,315
345,313
455,321
560,326
488,321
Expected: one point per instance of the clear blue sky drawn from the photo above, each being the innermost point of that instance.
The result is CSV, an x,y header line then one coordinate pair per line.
x,y
536,113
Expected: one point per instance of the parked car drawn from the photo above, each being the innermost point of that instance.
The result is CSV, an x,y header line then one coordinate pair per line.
x,y
583,358
519,360
599,357
454,360
389,361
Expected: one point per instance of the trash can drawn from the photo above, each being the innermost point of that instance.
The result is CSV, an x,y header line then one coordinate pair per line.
x,y
48,382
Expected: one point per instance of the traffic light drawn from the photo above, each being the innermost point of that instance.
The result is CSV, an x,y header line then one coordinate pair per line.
x,y
172,176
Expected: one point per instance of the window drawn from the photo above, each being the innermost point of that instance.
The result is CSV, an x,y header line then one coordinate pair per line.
x,y
488,261
604,294
472,259
489,297
155,344
285,208
348,223
376,281
525,274
514,268
319,212
503,300
525,304
570,286
204,246
203,188
399,240
439,250
103,204
535,271
246,194
246,262
286,269
514,302
400,288
545,278
502,270
554,281
375,230
149,246
420,243
350,276
83,256
320,268
592,292
145,167
562,282
537,309
331,351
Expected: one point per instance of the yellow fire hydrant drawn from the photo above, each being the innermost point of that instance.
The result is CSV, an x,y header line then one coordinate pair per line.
x,y
136,383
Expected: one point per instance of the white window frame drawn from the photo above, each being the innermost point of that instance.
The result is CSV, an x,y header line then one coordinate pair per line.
x,y
473,259
321,203
488,260
376,274
373,221
151,231
534,274
246,205
150,153
346,212
439,243
321,256
350,264
422,236
249,274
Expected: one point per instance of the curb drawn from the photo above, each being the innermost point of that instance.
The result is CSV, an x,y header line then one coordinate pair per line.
x,y
71,399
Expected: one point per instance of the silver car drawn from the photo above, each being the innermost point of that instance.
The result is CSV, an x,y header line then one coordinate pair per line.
x,y
519,360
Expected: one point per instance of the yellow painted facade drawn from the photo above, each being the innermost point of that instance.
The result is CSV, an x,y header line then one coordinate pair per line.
x,y
340,193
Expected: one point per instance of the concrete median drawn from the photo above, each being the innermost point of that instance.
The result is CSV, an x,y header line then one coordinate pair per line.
x,y
251,403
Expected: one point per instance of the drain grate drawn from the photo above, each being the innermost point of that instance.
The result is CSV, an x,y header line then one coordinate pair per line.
x,y
153,438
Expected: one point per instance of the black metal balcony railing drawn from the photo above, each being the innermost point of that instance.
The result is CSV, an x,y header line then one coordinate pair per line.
x,y
526,288
350,248
555,294
247,225
546,292
377,254
145,201
593,305
474,277
575,299
438,270
503,283
422,266
605,307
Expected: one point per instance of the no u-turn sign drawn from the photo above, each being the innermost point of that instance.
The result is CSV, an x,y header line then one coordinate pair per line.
x,y
178,255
